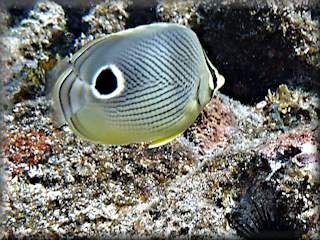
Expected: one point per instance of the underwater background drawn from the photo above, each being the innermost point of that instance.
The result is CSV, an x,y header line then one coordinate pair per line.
x,y
248,167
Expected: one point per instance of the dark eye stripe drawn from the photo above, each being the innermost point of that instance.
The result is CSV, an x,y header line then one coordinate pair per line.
x,y
65,102
64,99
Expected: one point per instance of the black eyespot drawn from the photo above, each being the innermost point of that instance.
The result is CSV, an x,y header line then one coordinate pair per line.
x,y
106,82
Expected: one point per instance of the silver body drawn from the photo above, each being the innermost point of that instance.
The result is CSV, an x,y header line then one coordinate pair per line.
x,y
165,82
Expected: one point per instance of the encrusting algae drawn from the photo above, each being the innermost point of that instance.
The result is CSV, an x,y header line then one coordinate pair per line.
x,y
181,12
287,108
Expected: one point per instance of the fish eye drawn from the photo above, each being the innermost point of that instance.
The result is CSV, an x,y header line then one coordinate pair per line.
x,y
108,82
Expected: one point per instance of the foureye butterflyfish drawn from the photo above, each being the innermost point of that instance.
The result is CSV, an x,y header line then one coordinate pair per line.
x,y
145,84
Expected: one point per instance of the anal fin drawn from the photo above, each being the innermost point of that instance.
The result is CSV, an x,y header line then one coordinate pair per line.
x,y
163,141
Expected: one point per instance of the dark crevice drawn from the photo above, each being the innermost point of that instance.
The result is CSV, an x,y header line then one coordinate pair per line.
x,y
141,12
251,58
74,20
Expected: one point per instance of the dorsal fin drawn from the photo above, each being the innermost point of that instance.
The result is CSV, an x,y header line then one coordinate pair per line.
x,y
53,74
220,79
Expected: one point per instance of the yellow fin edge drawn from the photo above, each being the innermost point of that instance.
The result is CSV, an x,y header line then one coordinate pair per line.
x,y
162,141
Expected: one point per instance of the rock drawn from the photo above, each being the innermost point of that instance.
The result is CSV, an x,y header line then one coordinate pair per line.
x,y
258,47
181,12
31,43
105,18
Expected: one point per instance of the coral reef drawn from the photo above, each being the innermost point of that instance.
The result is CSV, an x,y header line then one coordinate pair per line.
x,y
238,171
301,30
273,44
213,127
105,18
4,20
278,196
83,189
44,22
267,219
182,12
30,42
286,108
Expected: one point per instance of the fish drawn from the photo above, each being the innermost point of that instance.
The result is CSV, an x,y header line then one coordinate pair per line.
x,y
146,84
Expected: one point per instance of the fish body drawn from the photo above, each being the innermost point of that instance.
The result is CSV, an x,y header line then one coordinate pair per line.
x,y
146,84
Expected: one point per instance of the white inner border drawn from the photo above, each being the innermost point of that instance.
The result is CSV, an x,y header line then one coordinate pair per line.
x,y
120,82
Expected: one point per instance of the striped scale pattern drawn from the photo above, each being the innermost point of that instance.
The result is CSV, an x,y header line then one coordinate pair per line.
x,y
162,83
161,74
